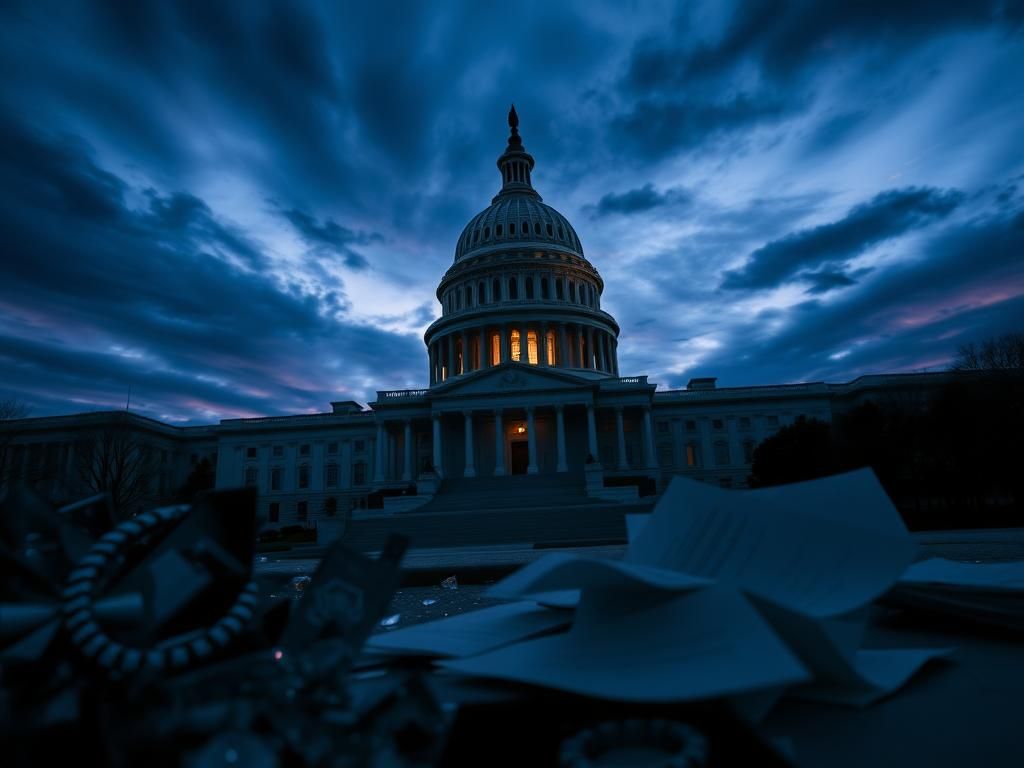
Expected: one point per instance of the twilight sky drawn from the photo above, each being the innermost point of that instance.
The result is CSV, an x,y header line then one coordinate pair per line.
x,y
245,208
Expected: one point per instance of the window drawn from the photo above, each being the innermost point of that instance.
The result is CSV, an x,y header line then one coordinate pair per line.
x,y
480,294
551,348
744,422
278,451
487,232
330,507
302,511
495,349
275,479
359,473
332,448
559,289
544,288
251,476
662,427
304,450
536,227
476,235
691,426
331,476
469,295
721,453
529,286
515,345
512,228
497,231
550,233
692,456
531,347
717,424
274,512
358,446
304,476
560,235
496,290
513,289
748,451
250,453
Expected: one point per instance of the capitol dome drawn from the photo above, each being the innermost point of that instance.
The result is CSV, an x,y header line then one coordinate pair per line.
x,y
520,289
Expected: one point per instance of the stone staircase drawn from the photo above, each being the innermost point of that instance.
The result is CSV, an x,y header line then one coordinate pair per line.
x,y
522,509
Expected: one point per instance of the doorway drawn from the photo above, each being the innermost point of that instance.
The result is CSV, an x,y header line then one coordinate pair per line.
x,y
520,456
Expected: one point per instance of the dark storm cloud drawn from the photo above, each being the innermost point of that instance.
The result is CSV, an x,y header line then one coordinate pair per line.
x,y
333,236
644,198
175,290
906,317
887,215
825,280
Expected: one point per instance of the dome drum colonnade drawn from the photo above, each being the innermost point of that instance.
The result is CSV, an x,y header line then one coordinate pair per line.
x,y
520,288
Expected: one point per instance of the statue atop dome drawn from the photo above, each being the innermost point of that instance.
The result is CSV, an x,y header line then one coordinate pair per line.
x,y
513,119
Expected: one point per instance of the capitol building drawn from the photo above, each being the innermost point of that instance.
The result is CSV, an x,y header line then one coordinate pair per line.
x,y
522,387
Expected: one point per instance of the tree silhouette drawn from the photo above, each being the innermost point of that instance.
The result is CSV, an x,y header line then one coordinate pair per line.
x,y
801,451
10,411
201,478
113,459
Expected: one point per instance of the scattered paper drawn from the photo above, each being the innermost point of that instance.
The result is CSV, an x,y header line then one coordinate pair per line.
x,y
470,633
560,571
634,524
994,576
644,645
824,547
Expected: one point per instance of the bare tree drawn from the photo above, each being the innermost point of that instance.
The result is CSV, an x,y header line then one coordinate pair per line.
x,y
112,459
1003,353
10,411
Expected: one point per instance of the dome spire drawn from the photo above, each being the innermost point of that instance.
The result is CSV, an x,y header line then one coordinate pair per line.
x,y
515,163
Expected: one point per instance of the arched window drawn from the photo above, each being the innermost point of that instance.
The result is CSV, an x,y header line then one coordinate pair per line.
x,y
495,349
513,289
560,235
529,286
469,296
476,235
514,344
481,291
497,231
496,290
487,232
692,455
551,348
531,347
511,228
550,234
544,288
536,227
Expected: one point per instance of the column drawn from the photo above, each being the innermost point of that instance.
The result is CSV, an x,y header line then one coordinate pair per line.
x,y
591,356
563,347
649,455
621,434
600,351
451,355
464,368
499,444
524,344
470,469
503,344
437,445
407,468
378,458
542,345
615,356
345,468
482,343
592,434
531,442
433,363
563,465
391,469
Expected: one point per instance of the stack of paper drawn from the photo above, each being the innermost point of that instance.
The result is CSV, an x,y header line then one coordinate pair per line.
x,y
721,593
989,593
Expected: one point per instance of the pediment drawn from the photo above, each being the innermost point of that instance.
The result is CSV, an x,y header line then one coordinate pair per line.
x,y
511,378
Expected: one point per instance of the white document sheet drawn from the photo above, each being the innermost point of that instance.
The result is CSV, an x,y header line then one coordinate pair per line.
x,y
634,524
560,571
823,547
470,633
829,648
630,645
985,576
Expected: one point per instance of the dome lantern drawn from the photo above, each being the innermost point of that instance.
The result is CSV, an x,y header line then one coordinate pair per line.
x,y
515,163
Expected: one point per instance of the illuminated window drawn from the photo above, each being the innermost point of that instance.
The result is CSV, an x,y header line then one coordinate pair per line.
x,y
460,363
692,457
515,345
551,347
495,349
531,347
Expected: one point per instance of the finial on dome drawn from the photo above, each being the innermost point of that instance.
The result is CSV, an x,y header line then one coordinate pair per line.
x,y
515,163
513,119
